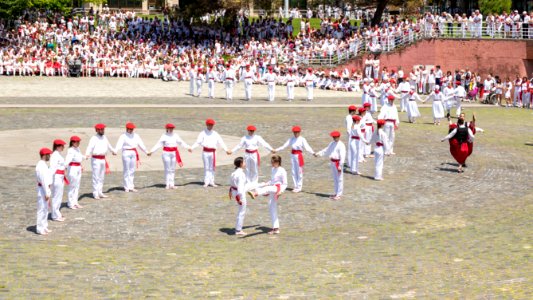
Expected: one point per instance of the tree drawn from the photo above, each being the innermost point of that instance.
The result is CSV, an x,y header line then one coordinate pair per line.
x,y
380,8
12,9
494,6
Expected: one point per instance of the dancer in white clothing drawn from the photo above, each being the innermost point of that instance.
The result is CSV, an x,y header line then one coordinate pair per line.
x,y
357,142
380,141
128,142
389,113
251,143
73,162
97,150
336,151
171,155
209,139
273,189
44,180
298,144
348,122
237,191
412,106
57,170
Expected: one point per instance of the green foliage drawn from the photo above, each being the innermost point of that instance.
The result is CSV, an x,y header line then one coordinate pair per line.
x,y
494,6
11,9
96,2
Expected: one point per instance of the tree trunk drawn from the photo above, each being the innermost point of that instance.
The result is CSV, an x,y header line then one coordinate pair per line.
x,y
382,4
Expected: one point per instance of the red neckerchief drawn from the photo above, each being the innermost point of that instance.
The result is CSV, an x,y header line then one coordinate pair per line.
x,y
437,92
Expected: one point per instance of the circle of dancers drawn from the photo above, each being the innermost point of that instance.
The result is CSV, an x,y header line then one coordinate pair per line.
x,y
362,131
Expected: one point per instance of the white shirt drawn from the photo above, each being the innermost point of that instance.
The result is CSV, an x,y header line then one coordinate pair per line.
x,y
170,140
229,74
129,141
380,136
42,174
348,123
454,131
297,143
57,162
209,139
252,143
335,150
460,91
356,131
270,78
389,112
98,145
238,180
73,155
278,176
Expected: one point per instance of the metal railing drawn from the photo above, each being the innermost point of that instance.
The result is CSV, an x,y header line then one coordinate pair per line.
x,y
390,44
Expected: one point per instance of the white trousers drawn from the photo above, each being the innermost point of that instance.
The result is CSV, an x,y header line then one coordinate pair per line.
x,y
252,168
42,211
297,172
348,153
247,90
338,179
199,84
290,91
229,90
310,90
98,167
57,188
74,176
391,134
373,104
404,101
169,163
378,162
458,104
516,97
271,91
355,154
211,89
209,170
242,209
129,161
191,87
367,149
271,191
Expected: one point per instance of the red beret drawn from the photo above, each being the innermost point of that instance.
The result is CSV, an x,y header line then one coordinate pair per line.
x,y
335,134
247,65
59,142
99,126
130,125
45,151
169,126
251,127
310,69
367,105
75,138
381,122
296,129
390,97
352,107
209,122
356,118
361,110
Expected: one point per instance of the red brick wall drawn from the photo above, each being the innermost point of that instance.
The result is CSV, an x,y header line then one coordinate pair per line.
x,y
500,57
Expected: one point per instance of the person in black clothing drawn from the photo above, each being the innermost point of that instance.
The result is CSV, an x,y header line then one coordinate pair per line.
x,y
460,136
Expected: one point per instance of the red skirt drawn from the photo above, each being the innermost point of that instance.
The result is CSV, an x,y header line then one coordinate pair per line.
x,y
460,151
